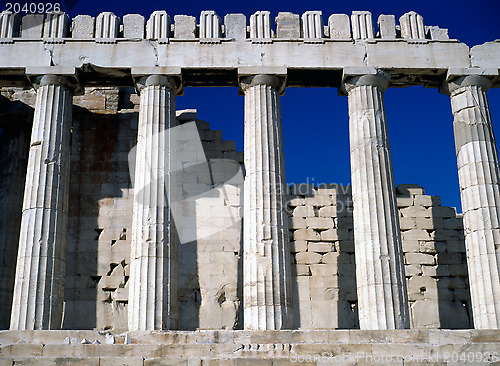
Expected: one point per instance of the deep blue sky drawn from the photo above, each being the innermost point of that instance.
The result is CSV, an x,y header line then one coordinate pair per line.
x,y
315,121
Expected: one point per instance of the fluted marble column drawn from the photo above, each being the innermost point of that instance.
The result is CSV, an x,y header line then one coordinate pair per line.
x,y
153,280
479,178
39,284
381,286
267,299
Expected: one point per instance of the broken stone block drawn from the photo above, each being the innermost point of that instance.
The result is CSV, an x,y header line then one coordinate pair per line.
x,y
425,314
443,211
420,258
133,26
344,246
411,246
432,247
83,27
302,269
330,258
420,287
294,201
328,211
413,270
303,189
437,34
235,26
387,26
297,223
453,223
320,247
303,211
415,211
287,25
298,246
409,189
32,26
319,200
449,258
319,222
306,234
454,315
428,223
454,246
416,234
459,270
340,26
426,201
436,271
329,235
404,201
307,258
184,27
406,223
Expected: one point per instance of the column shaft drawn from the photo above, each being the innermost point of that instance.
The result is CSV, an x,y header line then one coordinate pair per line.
x,y
39,284
152,293
479,178
381,286
266,273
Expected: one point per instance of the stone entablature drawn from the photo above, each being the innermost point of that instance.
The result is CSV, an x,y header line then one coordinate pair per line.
x,y
214,52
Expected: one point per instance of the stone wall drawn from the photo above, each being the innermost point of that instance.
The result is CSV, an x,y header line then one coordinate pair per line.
x,y
209,275
323,252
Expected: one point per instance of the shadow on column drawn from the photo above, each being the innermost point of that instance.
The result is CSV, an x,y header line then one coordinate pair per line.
x,y
454,301
15,129
347,308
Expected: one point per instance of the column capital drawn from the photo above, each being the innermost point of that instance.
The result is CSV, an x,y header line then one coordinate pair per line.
x,y
66,81
450,85
373,77
274,81
171,82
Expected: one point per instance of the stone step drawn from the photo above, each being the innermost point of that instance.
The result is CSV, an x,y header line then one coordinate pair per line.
x,y
303,347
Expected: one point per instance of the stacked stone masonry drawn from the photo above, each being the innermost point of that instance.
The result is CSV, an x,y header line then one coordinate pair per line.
x,y
100,246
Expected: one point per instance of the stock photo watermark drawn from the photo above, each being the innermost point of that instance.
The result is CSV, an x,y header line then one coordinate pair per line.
x,y
35,9
354,358
24,7
189,182
205,196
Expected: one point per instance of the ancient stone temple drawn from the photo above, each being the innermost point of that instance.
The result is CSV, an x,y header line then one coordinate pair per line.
x,y
131,233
